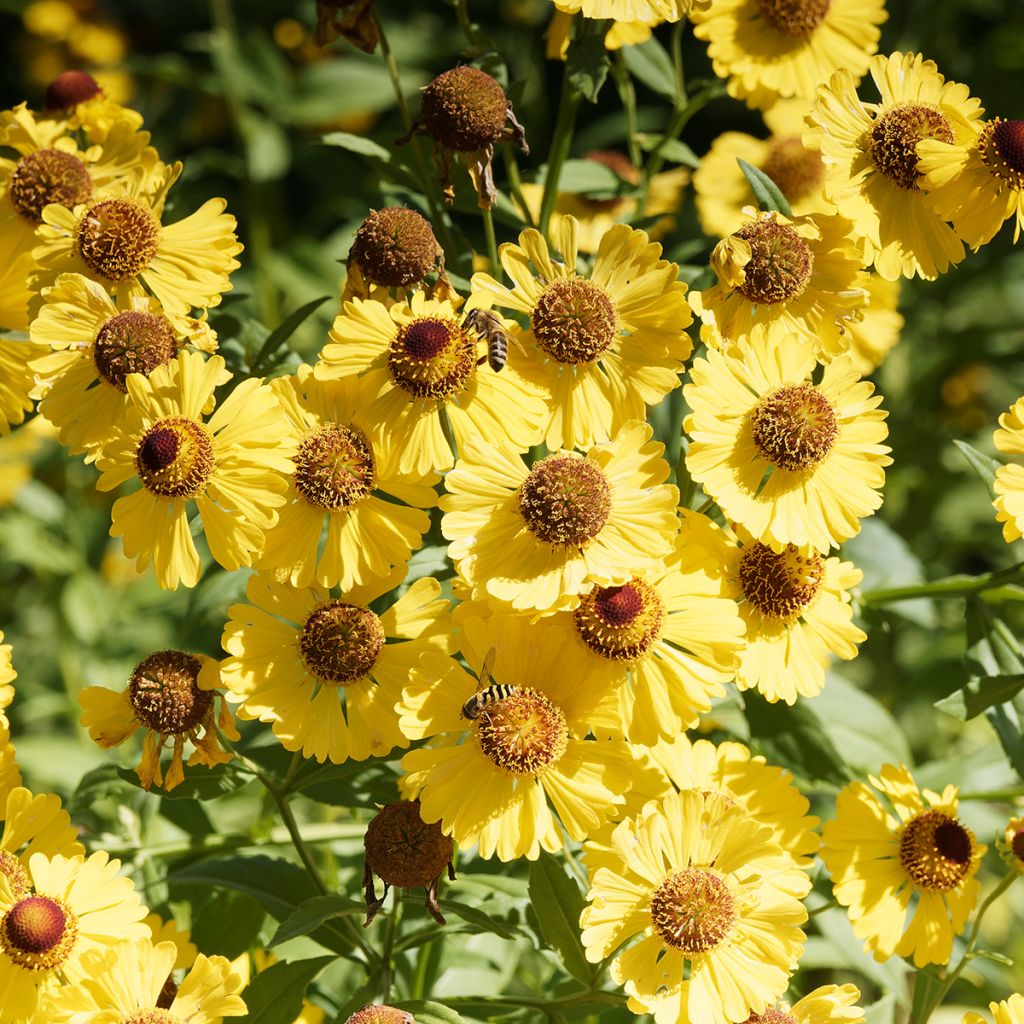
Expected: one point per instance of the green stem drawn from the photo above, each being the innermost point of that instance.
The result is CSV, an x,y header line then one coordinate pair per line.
x,y
951,586
492,242
515,184
528,1002
627,94
280,797
561,143
677,63
828,905
387,952
468,28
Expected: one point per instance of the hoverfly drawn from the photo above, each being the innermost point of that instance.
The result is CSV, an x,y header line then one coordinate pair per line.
x,y
486,694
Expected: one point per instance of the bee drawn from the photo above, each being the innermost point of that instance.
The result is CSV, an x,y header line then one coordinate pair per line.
x,y
489,327
486,694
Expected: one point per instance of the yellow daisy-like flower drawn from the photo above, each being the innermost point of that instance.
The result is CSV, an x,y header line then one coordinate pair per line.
x,y
828,1004
979,183
15,268
78,100
163,697
772,49
876,331
98,343
694,879
627,10
1009,482
72,905
605,346
621,33
894,844
780,277
326,671
168,931
1009,1011
234,467
33,824
346,473
538,538
7,677
791,461
872,169
532,781
10,774
122,244
126,983
422,362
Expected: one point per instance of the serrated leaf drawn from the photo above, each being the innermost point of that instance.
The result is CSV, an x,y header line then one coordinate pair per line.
x,y
557,901
280,334
768,195
650,63
587,63
275,995
357,144
982,464
312,914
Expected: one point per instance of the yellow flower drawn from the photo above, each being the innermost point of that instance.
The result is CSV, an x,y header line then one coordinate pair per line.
x,y
779,277
256,962
7,677
122,244
160,930
346,472
604,346
888,847
876,332
72,905
627,10
828,1004
537,539
233,467
772,49
1009,482
791,461
78,100
328,671
32,824
697,881
872,170
514,779
421,362
10,774
621,33
97,343
163,697
1009,1011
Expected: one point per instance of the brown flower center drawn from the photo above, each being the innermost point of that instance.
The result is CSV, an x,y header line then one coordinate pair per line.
x,y
936,850
431,358
798,172
780,585
574,321
780,262
693,910
340,643
117,239
565,500
69,89
1017,845
464,109
381,1014
165,695
1001,146
48,176
523,733
132,342
620,623
335,467
794,17
771,1016
15,874
395,247
893,138
38,933
404,850
155,1016
175,458
794,427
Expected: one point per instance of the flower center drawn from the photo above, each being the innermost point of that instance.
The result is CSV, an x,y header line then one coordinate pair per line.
x,y
693,910
464,109
117,239
565,500
780,585
780,262
48,176
1017,845
395,247
38,933
340,643
175,458
574,321
403,850
523,733
432,358
936,850
69,89
14,872
380,1014
798,172
132,342
1001,145
165,695
334,467
771,1016
155,1016
794,17
893,138
620,622
795,427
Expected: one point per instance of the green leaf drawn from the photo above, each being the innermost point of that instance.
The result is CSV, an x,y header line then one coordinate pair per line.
x,y
357,144
581,176
275,995
587,63
227,923
650,63
313,913
990,954
992,648
201,783
766,192
426,1012
280,334
980,693
268,153
881,1012
982,464
481,921
557,901
673,150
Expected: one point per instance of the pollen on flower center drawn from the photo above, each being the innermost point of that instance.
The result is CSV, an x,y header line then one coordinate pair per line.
x,y
38,933
771,1016
798,172
117,239
432,358
794,427
132,342
780,262
48,176
335,467
395,247
936,850
794,17
464,109
340,642
574,321
621,623
381,1014
165,695
780,585
175,458
403,850
13,871
523,733
1001,146
157,1016
693,910
893,138
565,500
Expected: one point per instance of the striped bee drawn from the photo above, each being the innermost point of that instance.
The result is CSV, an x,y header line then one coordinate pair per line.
x,y
486,694
490,327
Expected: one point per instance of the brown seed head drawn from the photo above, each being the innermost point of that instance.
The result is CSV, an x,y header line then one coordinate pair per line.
x,y
132,342
574,321
464,109
381,1015
165,695
69,89
432,358
893,138
48,176
117,239
403,850
794,428
395,247
340,642
38,933
565,500
780,262
1001,146
780,585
